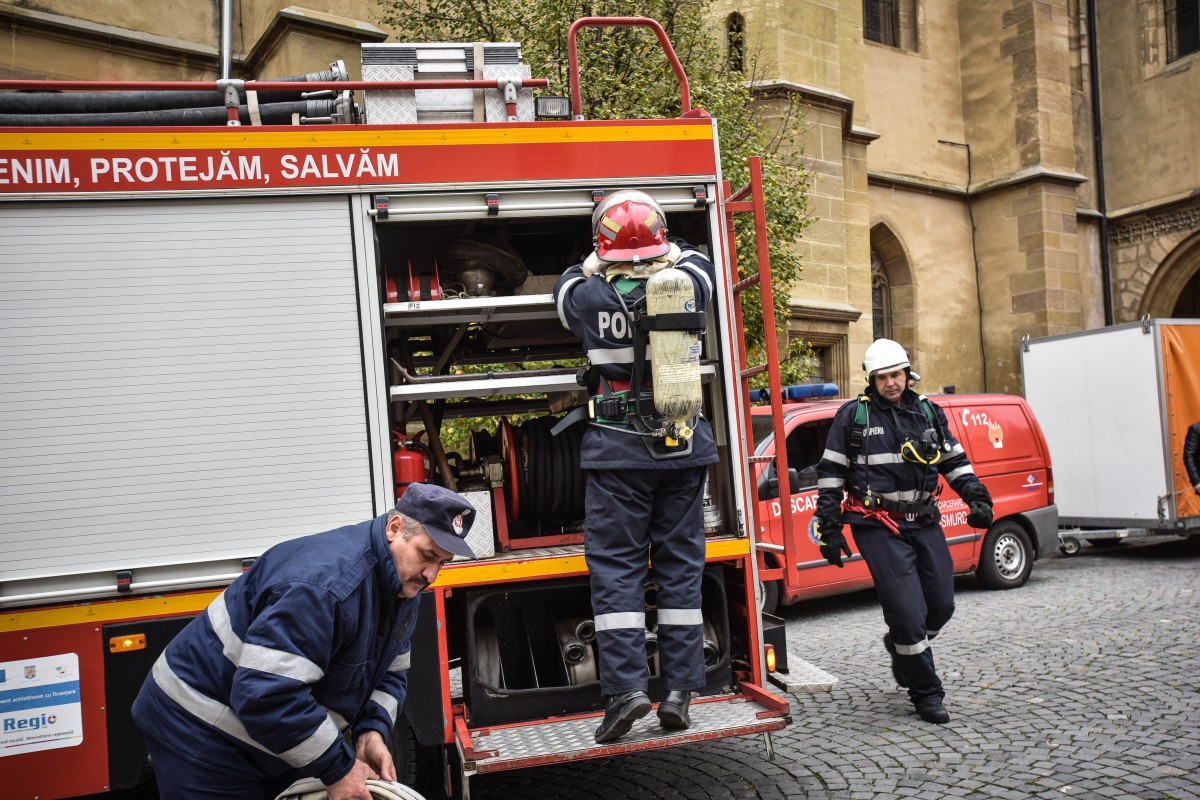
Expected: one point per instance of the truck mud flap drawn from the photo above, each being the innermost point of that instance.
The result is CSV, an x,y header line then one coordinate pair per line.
x,y
750,710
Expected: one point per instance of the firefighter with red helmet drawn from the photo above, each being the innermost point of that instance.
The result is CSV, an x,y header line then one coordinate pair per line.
x,y
645,476
879,473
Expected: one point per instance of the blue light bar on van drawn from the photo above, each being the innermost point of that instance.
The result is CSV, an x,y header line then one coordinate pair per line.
x,y
797,391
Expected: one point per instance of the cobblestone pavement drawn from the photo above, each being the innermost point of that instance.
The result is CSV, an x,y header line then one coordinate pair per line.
x,y
1085,683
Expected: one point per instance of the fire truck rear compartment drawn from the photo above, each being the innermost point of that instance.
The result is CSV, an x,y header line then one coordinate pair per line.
x,y
526,657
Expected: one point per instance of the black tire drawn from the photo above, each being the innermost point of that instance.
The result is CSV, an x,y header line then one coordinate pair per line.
x,y
770,596
417,765
1070,546
1006,558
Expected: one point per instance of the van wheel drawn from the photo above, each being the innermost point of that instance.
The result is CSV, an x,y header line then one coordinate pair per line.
x,y
1006,558
770,596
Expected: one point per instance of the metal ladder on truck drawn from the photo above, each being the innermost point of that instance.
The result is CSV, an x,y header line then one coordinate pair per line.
x,y
799,674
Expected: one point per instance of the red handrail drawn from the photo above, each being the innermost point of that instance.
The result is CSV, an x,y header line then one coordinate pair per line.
x,y
685,95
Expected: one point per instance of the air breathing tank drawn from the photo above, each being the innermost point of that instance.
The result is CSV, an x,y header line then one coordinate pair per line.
x,y
674,355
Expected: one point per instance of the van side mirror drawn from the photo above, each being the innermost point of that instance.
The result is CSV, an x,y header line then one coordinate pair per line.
x,y
768,483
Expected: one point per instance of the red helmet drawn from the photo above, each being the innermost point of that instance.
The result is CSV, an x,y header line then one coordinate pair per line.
x,y
629,226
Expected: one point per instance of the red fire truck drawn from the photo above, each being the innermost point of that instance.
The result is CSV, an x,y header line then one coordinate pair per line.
x,y
216,337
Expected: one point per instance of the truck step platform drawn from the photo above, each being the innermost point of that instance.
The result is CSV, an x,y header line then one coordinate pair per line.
x,y
802,677
750,710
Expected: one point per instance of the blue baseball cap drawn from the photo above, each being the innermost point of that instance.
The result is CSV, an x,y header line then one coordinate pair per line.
x,y
445,515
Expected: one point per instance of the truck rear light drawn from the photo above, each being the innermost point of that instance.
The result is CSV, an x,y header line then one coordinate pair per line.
x,y
1049,484
128,643
770,658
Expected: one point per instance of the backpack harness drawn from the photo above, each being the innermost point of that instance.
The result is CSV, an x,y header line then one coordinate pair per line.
x,y
870,503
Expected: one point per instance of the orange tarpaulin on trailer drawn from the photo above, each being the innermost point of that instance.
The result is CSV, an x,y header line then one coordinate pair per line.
x,y
1181,374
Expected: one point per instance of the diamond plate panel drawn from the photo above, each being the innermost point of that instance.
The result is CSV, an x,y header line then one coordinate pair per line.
x,y
389,108
482,537
493,99
803,677
510,748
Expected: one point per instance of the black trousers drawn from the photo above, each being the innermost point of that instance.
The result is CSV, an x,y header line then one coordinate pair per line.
x,y
633,516
914,580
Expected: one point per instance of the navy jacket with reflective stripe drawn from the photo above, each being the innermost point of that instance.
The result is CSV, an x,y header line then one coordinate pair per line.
x,y
311,640
879,465
589,307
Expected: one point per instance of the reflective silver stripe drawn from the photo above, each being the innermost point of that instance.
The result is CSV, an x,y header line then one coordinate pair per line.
x,y
201,706
563,291
958,448
256,657
835,457
912,649
699,273
831,483
613,355
388,702
218,617
905,496
680,616
401,662
314,746
339,720
881,458
931,634
966,469
279,662
620,619
223,718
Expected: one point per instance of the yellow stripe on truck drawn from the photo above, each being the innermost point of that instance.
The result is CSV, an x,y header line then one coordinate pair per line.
x,y
107,611
365,136
473,573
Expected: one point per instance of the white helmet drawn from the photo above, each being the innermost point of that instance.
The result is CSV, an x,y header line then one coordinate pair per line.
x,y
884,355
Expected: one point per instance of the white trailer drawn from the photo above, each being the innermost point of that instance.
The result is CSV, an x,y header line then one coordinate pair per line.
x,y
1115,404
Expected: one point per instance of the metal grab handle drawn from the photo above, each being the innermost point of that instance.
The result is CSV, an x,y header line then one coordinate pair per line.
x,y
685,94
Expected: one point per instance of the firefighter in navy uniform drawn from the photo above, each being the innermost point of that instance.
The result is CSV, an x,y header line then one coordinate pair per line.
x,y
314,640
644,489
879,473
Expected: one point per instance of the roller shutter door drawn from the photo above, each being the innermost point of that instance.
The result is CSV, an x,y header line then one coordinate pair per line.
x,y
180,381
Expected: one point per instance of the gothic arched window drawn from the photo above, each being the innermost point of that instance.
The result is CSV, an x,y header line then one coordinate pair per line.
x,y
881,299
735,40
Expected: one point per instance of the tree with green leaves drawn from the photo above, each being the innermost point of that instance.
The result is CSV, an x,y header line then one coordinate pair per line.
x,y
624,74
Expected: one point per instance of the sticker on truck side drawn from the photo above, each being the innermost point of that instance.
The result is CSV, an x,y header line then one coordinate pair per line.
x,y
40,708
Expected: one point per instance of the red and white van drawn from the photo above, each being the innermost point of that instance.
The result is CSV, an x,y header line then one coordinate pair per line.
x,y
1006,446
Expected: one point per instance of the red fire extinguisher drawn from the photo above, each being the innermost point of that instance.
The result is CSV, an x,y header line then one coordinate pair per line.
x,y
410,462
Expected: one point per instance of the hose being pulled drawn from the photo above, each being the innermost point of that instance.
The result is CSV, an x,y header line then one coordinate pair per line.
x,y
313,789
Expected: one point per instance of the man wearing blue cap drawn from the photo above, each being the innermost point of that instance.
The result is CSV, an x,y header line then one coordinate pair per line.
x,y
312,640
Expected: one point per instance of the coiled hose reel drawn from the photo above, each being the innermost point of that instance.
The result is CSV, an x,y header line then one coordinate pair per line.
x,y
313,789
542,476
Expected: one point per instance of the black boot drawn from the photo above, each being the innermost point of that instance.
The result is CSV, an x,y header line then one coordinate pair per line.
x,y
620,712
932,710
891,648
673,710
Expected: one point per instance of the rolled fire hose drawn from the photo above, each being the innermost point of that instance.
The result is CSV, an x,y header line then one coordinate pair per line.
x,y
313,789
579,657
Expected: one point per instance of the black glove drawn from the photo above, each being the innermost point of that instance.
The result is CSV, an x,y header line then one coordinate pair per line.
x,y
980,503
830,540
981,514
